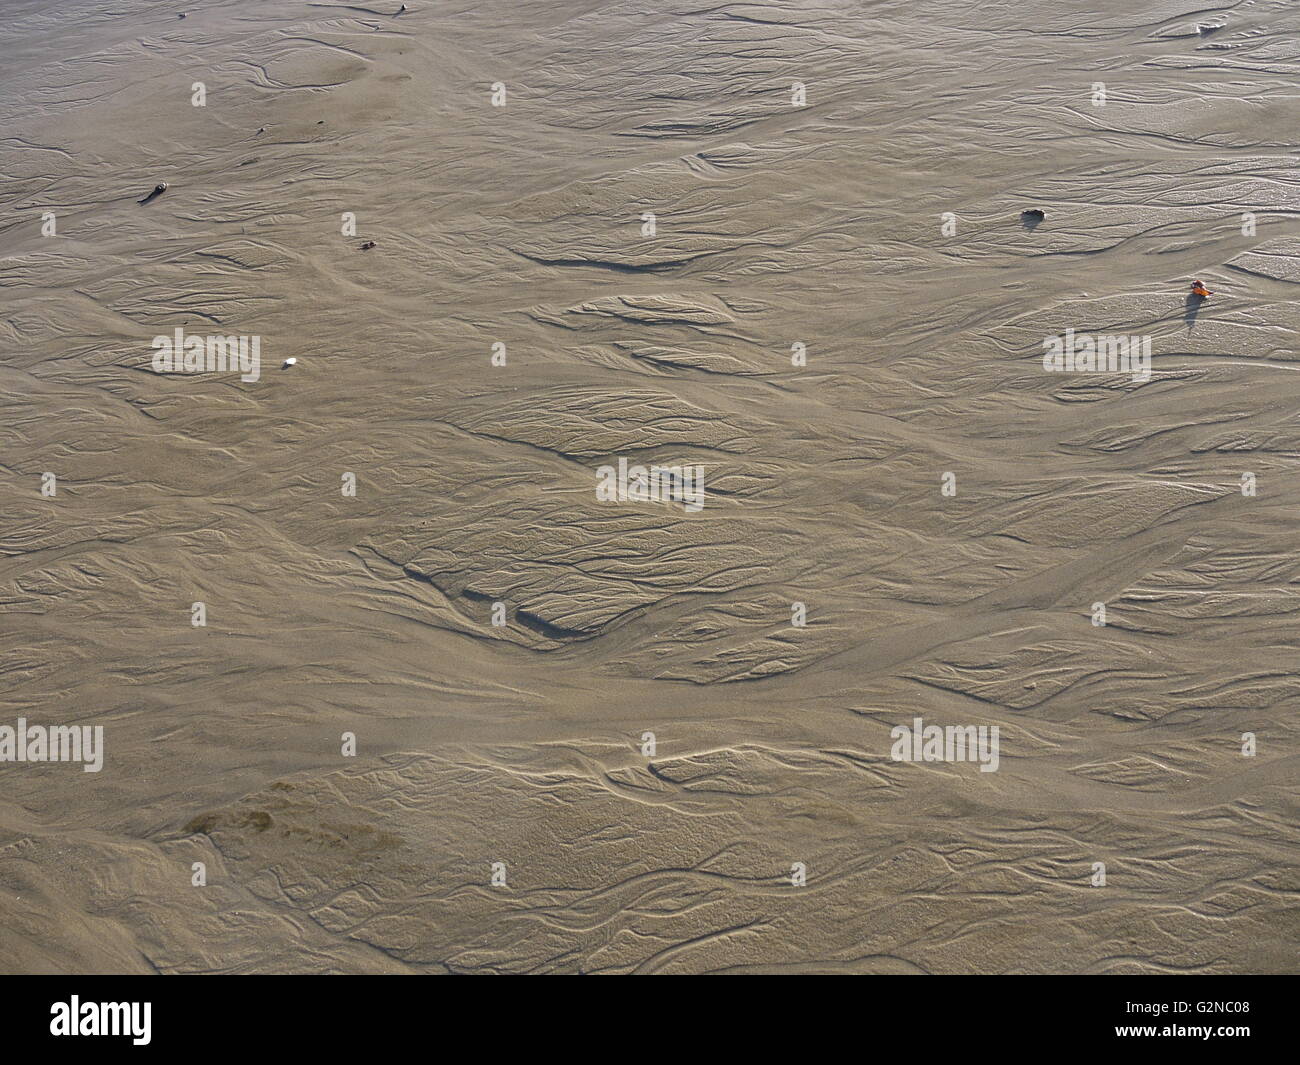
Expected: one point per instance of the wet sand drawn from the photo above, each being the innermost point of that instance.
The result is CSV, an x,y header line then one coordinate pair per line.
x,y
839,306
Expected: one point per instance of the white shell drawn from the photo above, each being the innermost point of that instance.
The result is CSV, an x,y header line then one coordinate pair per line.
x,y
289,362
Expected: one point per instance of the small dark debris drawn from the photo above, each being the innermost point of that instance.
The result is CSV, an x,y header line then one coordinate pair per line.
x,y
367,245
1033,214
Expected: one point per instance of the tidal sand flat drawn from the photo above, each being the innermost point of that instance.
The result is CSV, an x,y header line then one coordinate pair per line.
x,y
649,487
